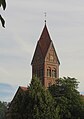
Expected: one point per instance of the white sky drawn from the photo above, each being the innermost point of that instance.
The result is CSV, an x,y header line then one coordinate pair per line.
x,y
24,24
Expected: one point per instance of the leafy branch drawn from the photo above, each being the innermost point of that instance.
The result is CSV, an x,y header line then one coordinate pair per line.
x,y
3,4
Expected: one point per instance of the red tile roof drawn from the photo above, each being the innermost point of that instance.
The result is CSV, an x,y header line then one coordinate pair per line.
x,y
23,88
82,95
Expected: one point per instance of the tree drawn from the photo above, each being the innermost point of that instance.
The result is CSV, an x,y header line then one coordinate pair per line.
x,y
35,103
3,107
68,98
3,4
39,103
61,101
16,107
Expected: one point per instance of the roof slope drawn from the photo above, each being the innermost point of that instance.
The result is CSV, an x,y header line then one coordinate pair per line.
x,y
44,41
20,90
23,88
43,44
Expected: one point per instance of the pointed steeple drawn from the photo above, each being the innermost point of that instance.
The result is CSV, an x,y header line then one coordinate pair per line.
x,y
44,41
45,62
45,17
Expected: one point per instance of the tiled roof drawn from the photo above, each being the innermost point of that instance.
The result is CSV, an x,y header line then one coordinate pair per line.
x,y
44,41
82,95
20,90
24,88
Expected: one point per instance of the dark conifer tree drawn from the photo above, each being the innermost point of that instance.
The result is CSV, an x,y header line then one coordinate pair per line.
x,y
39,102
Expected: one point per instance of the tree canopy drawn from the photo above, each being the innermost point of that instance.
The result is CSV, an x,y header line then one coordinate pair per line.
x,y
40,104
3,107
68,98
59,101
36,103
3,4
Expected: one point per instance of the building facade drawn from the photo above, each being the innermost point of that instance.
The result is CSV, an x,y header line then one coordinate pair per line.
x,y
45,62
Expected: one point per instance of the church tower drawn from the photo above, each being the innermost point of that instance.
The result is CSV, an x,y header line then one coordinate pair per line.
x,y
45,62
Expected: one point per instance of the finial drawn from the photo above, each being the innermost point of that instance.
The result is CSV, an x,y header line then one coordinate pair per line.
x,y
45,16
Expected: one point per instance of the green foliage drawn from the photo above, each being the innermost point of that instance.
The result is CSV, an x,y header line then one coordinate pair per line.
x,y
35,103
68,98
40,104
17,107
3,4
61,101
2,109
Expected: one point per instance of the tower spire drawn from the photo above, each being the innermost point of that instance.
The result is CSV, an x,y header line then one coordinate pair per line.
x,y
45,16
45,63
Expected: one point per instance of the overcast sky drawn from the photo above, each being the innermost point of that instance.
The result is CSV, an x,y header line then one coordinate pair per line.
x,y
24,24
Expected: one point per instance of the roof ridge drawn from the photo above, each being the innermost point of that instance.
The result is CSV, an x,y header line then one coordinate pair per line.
x,y
23,88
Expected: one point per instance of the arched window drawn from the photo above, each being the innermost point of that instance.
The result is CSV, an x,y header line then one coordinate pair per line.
x,y
49,72
54,73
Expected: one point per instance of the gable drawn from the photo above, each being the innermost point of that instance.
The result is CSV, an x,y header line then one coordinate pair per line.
x,y
20,92
44,46
51,55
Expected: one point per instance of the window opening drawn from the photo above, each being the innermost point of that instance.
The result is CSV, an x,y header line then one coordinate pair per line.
x,y
54,75
49,72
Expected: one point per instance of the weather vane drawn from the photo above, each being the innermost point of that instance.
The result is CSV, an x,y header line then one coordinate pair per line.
x,y
45,16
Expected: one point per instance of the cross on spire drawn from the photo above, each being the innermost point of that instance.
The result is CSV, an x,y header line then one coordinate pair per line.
x,y
45,16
